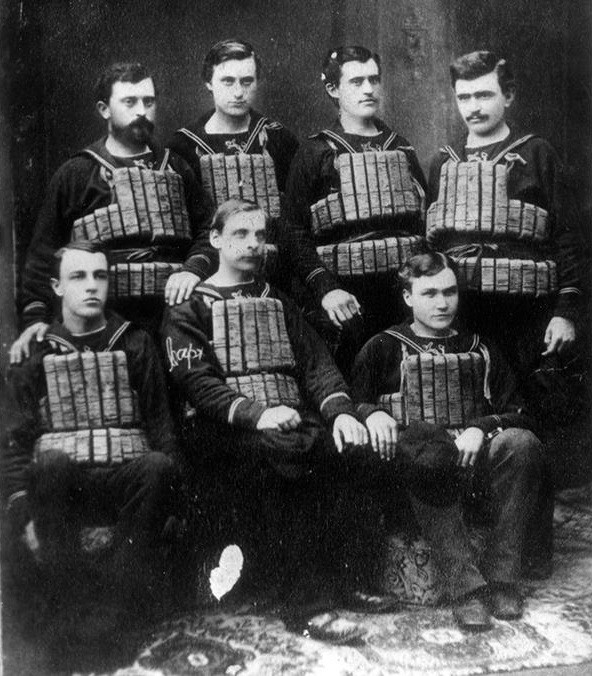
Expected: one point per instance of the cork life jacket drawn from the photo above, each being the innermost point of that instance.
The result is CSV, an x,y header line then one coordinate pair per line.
x,y
148,205
245,174
90,411
377,192
251,343
447,389
494,239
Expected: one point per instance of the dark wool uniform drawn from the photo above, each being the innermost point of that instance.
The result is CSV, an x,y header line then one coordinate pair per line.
x,y
80,187
510,463
535,177
62,480
263,137
314,176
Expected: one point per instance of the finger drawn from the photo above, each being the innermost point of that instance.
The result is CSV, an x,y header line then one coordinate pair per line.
x,y
472,459
189,290
552,346
341,316
297,419
382,443
333,318
40,333
337,440
374,440
357,306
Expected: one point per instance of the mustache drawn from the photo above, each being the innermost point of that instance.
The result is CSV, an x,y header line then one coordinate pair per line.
x,y
476,117
142,124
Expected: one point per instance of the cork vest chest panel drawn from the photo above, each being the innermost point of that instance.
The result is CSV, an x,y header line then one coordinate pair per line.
x,y
473,202
445,389
146,204
375,186
249,336
246,176
89,390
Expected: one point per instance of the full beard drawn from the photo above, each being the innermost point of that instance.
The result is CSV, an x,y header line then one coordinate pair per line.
x,y
137,133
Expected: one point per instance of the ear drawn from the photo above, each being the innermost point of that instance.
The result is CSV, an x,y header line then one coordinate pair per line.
x,y
209,86
56,286
332,89
104,110
510,95
407,297
215,239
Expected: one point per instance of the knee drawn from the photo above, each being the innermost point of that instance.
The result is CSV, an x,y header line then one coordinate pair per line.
x,y
157,468
519,447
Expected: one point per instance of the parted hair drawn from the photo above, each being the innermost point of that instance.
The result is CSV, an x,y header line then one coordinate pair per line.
x,y
118,72
87,245
475,64
425,265
335,58
230,208
225,51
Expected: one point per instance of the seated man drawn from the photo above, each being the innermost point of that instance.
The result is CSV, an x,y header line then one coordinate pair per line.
x,y
428,370
91,443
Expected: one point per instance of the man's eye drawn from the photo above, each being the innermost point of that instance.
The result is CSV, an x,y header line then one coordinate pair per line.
x,y
375,79
463,97
357,81
149,101
247,82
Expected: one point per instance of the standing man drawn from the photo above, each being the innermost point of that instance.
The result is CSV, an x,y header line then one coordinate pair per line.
x,y
92,442
500,207
144,203
354,205
237,151
427,370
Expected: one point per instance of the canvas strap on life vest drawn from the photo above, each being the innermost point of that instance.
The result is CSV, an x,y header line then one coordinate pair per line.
x,y
91,411
251,342
442,388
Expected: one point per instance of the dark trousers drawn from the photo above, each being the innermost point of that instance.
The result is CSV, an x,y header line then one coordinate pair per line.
x,y
136,496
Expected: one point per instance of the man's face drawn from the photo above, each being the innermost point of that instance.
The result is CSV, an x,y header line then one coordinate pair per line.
x,y
434,302
482,104
359,90
234,86
241,244
83,284
131,111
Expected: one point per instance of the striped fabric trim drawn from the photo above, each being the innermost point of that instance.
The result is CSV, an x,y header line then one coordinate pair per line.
x,y
335,395
115,337
313,274
451,152
15,496
339,140
165,159
62,342
34,304
570,289
232,409
391,140
200,142
99,159
258,127
518,142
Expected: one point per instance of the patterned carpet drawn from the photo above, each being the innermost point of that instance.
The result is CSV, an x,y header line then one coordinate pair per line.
x,y
420,641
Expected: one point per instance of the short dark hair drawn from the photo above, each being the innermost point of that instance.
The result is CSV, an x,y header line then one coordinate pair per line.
x,y
225,51
425,265
118,72
475,64
90,246
335,58
231,207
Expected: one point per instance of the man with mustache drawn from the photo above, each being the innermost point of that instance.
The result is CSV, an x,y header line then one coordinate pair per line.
x,y
144,202
354,207
517,226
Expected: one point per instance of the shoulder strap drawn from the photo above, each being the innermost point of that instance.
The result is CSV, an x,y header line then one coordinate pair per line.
x,y
511,147
337,140
405,339
451,152
115,337
99,159
208,150
261,123
165,160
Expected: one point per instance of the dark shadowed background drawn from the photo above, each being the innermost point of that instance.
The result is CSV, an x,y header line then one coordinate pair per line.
x,y
52,50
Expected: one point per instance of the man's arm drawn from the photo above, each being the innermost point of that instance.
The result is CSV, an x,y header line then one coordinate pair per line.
x,y
193,368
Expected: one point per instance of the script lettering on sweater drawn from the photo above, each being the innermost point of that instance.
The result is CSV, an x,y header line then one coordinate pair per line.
x,y
183,354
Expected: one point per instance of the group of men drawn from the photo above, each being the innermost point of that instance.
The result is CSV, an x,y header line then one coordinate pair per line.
x,y
316,383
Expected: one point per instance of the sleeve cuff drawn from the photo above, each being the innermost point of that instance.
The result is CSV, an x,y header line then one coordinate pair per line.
x,y
366,410
568,305
335,404
321,282
245,412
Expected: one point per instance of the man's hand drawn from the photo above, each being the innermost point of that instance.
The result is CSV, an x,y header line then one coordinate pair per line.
x,y
559,336
279,418
179,287
469,443
340,306
347,431
384,432
21,347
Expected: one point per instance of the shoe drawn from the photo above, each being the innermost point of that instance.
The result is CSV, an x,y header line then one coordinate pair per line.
x,y
506,604
333,629
360,602
471,614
